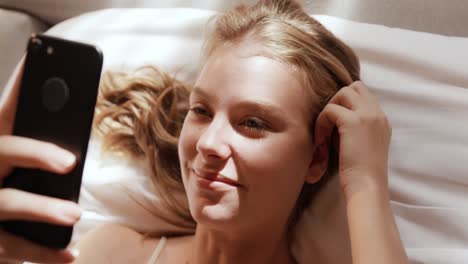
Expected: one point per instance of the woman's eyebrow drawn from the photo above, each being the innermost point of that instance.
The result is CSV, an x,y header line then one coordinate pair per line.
x,y
199,91
264,108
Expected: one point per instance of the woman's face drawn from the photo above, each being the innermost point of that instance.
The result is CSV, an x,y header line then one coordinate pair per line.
x,y
245,148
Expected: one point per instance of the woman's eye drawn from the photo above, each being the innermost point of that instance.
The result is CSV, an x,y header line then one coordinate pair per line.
x,y
254,124
200,111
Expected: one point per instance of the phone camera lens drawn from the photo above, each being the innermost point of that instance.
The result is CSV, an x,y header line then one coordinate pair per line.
x,y
50,50
35,45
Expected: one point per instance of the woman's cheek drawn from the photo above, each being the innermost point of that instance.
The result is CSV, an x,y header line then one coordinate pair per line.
x,y
263,156
187,141
278,155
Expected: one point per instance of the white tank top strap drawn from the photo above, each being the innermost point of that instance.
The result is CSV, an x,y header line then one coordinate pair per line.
x,y
157,251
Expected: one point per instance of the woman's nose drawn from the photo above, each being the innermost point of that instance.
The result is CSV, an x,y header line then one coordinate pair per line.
x,y
214,140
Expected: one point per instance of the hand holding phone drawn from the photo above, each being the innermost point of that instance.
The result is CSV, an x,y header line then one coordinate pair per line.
x,y
42,152
20,205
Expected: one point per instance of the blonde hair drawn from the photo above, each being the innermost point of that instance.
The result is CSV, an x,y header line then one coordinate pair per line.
x,y
142,115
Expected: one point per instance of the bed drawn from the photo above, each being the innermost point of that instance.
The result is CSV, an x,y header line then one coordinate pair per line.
x,y
414,57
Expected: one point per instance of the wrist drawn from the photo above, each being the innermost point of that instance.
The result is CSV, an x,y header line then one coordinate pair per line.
x,y
366,189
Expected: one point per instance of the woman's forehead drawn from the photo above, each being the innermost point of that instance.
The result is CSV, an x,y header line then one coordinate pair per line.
x,y
238,72
248,58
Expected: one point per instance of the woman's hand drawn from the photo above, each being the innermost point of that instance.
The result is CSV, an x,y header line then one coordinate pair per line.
x,y
364,137
20,205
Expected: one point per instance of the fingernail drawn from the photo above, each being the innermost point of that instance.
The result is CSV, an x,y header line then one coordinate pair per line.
x,y
68,159
70,255
75,252
65,160
69,212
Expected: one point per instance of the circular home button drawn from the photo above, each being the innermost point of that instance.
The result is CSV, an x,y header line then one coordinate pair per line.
x,y
55,94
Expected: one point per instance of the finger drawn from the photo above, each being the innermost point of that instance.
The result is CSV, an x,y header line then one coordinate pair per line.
x,y
360,88
9,99
21,205
347,97
30,153
17,248
371,103
332,115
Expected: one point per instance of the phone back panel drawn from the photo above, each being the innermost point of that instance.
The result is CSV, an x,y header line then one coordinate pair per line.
x,y
56,104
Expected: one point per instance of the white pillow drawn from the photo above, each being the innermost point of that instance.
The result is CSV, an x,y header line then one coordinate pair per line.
x,y
53,11
419,78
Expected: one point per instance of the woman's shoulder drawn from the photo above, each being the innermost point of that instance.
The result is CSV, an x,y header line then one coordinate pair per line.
x,y
106,230
113,243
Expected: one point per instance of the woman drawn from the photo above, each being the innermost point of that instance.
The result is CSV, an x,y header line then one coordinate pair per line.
x,y
255,145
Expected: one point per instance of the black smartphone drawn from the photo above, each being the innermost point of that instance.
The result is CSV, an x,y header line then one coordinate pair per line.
x,y
56,104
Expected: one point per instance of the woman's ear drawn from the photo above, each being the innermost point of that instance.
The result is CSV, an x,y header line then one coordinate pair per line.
x,y
319,163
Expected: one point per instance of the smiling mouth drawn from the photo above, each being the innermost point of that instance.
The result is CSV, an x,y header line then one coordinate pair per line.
x,y
216,177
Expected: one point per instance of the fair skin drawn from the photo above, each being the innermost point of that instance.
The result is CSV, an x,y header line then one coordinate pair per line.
x,y
246,150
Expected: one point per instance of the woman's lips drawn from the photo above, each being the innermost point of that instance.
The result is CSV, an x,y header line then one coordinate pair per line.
x,y
216,177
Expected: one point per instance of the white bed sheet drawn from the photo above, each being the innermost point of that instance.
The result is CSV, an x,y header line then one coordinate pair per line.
x,y
420,79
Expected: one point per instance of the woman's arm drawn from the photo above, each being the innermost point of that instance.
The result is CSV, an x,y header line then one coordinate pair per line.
x,y
372,229
363,144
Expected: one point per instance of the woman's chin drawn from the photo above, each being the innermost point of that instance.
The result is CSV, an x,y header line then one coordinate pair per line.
x,y
213,215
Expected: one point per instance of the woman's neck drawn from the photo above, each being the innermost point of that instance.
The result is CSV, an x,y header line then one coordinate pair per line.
x,y
225,247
